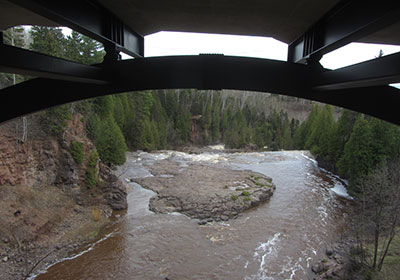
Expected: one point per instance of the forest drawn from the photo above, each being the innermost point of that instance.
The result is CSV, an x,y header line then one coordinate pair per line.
x,y
353,146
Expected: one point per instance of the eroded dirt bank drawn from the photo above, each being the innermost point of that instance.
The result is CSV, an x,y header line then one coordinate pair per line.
x,y
47,209
205,192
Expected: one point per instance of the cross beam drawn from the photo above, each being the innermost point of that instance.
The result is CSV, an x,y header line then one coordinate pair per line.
x,y
349,21
381,71
24,62
201,72
91,19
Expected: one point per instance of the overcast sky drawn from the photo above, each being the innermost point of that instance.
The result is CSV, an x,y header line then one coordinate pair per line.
x,y
180,43
184,43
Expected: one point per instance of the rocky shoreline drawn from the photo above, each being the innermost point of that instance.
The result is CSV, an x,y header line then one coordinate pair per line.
x,y
337,263
204,192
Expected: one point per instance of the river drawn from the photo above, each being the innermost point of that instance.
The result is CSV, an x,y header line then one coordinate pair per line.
x,y
280,239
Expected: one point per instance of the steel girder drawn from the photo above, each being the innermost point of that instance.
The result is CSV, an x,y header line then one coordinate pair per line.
x,y
91,19
201,72
381,71
349,21
24,62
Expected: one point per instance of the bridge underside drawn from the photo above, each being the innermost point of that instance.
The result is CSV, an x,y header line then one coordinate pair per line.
x,y
362,87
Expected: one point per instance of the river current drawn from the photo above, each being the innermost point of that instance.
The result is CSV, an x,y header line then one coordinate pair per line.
x,y
280,239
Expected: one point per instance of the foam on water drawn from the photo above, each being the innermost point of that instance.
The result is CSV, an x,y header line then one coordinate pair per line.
x,y
217,147
90,248
263,252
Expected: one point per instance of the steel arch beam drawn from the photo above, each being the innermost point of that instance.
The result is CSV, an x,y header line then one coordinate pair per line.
x,y
348,21
201,72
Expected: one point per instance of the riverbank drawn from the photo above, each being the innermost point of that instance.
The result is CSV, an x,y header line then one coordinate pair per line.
x,y
42,225
47,206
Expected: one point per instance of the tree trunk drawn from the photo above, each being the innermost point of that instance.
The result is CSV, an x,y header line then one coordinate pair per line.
x,y
391,236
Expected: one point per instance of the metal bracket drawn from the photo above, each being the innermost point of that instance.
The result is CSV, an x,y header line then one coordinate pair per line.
x,y
347,22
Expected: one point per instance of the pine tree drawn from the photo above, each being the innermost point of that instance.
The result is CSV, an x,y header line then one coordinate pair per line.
x,y
104,106
110,142
342,134
384,145
304,131
322,130
358,157
206,123
119,111
48,40
215,122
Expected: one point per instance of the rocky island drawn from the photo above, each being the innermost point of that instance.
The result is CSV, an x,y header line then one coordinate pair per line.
x,y
204,192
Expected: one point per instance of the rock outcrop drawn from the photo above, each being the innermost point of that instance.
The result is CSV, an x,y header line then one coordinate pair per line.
x,y
114,190
336,264
46,160
47,207
205,192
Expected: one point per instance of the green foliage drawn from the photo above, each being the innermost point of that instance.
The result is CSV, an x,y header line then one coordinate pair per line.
x,y
357,159
93,124
305,129
321,132
341,134
55,118
215,122
234,197
352,146
48,40
91,170
245,193
83,49
110,142
104,106
77,151
14,36
236,134
76,47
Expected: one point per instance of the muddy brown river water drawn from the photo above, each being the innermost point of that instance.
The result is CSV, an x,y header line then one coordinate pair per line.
x,y
280,239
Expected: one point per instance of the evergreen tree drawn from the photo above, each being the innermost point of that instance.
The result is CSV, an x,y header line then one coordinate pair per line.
x,y
104,106
55,118
119,111
48,40
206,123
304,131
110,142
358,157
322,130
385,145
341,134
215,122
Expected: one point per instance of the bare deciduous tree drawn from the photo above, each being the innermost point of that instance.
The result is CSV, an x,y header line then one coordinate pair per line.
x,y
376,222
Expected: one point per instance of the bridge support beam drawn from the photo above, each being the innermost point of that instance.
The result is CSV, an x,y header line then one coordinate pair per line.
x,y
349,21
24,62
380,71
201,72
